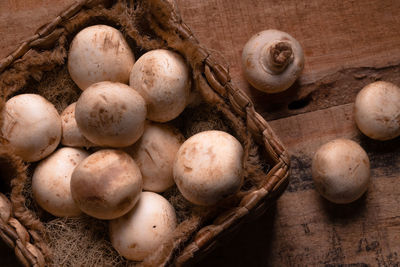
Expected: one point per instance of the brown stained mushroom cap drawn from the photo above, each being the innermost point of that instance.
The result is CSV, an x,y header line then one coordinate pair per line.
x,y
111,114
154,153
51,181
99,53
272,60
107,184
162,78
377,110
71,135
341,171
141,231
31,127
208,167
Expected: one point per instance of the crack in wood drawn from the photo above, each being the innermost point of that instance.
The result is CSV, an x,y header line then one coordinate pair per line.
x,y
332,90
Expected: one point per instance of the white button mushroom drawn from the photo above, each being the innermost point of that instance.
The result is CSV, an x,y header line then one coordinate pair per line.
x,y
155,153
377,110
162,78
144,228
341,170
272,60
99,53
31,127
208,167
111,114
51,181
107,184
71,135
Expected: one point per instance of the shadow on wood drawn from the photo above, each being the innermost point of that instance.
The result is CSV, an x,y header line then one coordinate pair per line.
x,y
250,246
345,212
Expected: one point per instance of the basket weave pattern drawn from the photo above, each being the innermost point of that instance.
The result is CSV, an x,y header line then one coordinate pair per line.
x,y
25,239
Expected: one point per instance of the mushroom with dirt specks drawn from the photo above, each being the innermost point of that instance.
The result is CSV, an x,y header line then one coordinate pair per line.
x,y
162,78
144,228
208,167
272,60
111,114
71,135
107,184
341,171
377,110
99,53
51,181
31,126
155,153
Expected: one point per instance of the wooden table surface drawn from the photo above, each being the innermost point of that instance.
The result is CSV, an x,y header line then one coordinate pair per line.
x,y
347,45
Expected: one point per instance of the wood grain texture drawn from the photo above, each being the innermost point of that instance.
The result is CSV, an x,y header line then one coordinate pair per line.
x,y
21,18
347,45
306,230
334,34
364,232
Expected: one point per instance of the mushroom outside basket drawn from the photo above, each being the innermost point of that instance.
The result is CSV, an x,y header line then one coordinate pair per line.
x,y
38,65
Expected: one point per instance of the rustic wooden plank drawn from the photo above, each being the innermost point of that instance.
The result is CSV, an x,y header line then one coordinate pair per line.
x,y
335,89
309,231
20,19
335,35
366,231
306,230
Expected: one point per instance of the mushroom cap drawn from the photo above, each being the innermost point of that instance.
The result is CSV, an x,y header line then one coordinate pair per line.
x,y
255,67
51,181
377,110
341,171
31,126
111,114
154,153
208,167
71,135
5,208
144,228
107,184
99,53
162,78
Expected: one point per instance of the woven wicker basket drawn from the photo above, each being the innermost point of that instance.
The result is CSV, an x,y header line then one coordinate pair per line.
x,y
22,233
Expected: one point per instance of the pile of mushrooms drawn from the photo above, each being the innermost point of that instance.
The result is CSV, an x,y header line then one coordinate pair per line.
x,y
113,153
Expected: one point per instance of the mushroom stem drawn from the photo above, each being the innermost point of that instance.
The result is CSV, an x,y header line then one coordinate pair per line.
x,y
279,55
